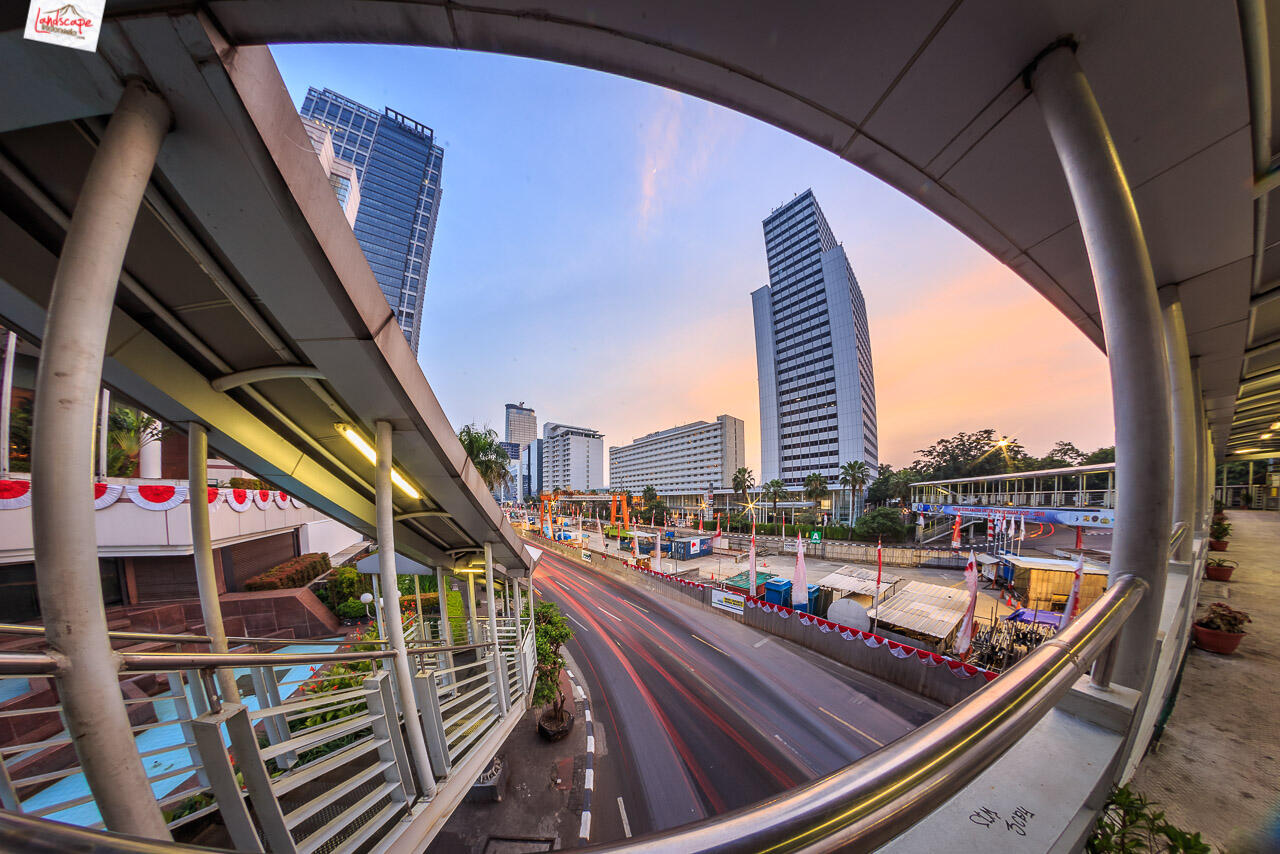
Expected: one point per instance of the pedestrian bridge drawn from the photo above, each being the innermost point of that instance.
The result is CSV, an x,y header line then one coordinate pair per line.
x,y
167,230
1080,496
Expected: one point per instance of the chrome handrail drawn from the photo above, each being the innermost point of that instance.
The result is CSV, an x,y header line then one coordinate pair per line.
x,y
866,804
19,629
41,836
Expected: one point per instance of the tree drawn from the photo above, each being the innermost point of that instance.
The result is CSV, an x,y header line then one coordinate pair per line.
x,y
487,455
650,494
815,487
1062,455
900,485
971,455
882,522
1100,456
880,491
551,632
773,492
128,431
853,476
743,481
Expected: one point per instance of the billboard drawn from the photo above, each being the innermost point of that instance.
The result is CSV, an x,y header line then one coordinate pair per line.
x,y
1089,517
726,601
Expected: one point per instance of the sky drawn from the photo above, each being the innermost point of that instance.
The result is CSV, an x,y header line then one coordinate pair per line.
x,y
599,238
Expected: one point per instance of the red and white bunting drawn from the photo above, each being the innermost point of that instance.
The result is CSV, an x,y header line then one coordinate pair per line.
x,y
15,494
282,500
262,498
156,496
239,500
106,494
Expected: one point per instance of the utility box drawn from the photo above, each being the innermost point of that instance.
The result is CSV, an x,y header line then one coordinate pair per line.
x,y
777,591
691,547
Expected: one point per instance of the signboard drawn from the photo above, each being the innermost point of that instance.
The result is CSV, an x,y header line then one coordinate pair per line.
x,y
815,536
726,601
586,555
1093,517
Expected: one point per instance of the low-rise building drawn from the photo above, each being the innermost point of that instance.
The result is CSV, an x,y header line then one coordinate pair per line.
x,y
572,457
702,455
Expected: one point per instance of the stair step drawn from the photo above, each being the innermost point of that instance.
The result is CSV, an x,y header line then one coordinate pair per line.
x,y
317,840
376,823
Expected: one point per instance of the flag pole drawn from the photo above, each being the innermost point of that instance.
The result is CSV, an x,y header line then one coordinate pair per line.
x,y
875,621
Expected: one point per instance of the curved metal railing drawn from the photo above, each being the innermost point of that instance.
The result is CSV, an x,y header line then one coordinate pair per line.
x,y
868,803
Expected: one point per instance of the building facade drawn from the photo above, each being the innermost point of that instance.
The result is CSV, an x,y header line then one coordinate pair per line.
x,y
522,424
700,455
572,457
341,173
813,352
531,470
510,490
398,167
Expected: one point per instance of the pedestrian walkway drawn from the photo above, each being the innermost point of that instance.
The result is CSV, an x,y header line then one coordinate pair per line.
x,y
1215,770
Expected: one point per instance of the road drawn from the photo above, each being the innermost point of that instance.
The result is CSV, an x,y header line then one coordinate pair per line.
x,y
695,715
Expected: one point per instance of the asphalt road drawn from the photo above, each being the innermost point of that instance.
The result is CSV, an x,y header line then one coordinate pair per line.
x,y
695,715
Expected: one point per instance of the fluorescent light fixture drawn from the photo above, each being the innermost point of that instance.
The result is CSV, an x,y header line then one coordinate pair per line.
x,y
1248,450
353,436
1266,435
469,570
1275,425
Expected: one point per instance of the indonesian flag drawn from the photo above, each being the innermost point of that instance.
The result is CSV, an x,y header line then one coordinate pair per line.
x,y
656,563
1079,537
880,567
1022,527
800,580
955,534
652,514
635,544
964,637
699,521
715,540
751,560
1073,601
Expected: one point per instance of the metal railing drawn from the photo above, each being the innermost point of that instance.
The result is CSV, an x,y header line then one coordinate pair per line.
x,y
868,803
312,757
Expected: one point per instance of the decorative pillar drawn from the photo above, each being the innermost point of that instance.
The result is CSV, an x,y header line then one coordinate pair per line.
x,y
67,384
202,551
1183,396
1135,342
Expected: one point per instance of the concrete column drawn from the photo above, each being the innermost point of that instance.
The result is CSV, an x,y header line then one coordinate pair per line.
x,y
391,612
67,383
1135,344
1183,414
202,550
104,430
150,453
1204,460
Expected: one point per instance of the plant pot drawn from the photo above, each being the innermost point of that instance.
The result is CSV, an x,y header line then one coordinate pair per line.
x,y
1212,640
1218,572
555,730
1218,545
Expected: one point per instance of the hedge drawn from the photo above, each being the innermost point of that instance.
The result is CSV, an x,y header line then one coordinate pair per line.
x,y
249,483
294,572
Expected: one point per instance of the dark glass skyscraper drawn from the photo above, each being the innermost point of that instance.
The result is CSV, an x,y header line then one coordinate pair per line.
x,y
813,352
398,166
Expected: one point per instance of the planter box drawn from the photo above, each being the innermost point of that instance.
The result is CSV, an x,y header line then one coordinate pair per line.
x,y
1212,640
1218,573
1218,545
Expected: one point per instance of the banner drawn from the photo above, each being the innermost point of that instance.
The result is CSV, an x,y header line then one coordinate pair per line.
x,y
726,601
1088,518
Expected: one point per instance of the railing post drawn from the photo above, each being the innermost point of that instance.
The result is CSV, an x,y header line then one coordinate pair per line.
x,y
207,734
276,726
432,721
391,610
387,725
6,399
1135,343
499,663
202,550
66,395
244,745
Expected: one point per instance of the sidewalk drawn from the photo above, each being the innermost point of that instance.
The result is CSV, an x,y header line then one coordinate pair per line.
x,y
1215,770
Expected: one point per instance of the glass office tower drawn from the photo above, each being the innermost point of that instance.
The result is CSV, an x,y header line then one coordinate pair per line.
x,y
813,352
398,166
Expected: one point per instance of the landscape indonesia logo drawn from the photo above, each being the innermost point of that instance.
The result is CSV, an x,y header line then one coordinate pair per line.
x,y
69,25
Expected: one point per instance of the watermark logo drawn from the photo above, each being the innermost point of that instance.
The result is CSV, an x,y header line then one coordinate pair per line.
x,y
73,25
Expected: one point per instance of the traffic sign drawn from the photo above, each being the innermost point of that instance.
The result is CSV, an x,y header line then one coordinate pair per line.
x,y
815,536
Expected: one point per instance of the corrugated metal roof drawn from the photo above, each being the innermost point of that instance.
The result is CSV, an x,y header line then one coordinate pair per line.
x,y
926,609
855,579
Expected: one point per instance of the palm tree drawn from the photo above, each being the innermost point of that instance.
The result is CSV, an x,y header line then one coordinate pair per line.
x,y
773,492
854,476
649,494
128,430
815,488
489,458
743,480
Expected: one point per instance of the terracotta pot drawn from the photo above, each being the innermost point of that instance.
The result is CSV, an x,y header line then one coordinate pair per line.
x,y
554,731
1218,573
1212,640
1218,545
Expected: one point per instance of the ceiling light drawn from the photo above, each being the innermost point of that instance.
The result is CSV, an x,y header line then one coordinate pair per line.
x,y
1248,450
353,436
1266,435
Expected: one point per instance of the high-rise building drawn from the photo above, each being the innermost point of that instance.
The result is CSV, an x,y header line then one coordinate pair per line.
x,y
398,167
342,174
700,455
522,424
813,352
510,490
572,457
531,470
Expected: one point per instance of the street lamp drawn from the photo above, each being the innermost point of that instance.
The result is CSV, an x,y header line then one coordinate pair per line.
x,y
365,599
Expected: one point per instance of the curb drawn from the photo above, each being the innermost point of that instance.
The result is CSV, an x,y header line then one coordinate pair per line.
x,y
588,785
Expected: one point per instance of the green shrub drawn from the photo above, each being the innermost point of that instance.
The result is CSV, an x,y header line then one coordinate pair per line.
x,y
246,483
294,572
350,609
551,631
1130,823
883,522
346,583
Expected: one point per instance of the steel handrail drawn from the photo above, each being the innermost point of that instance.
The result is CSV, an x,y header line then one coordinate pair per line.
x,y
868,803
18,629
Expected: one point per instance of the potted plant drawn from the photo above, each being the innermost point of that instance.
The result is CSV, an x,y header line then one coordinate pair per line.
x,y
551,631
1219,569
1221,630
1246,499
1219,531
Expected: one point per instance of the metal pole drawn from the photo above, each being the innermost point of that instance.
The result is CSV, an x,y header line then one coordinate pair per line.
x,y
1183,397
473,623
417,598
202,550
1135,344
442,600
6,400
67,383
104,429
377,609
519,607
391,611
493,622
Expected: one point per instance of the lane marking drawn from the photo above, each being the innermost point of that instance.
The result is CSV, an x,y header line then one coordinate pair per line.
x,y
708,643
637,607
575,619
626,825
587,715
619,619
759,643
869,738
590,781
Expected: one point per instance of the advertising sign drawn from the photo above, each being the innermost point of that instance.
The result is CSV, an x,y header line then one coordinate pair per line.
x,y
1091,517
586,555
815,536
726,601
69,25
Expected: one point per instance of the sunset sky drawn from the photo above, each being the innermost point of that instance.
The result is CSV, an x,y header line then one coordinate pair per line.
x,y
601,237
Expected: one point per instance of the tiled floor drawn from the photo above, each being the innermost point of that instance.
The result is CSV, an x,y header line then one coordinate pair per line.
x,y
1216,769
